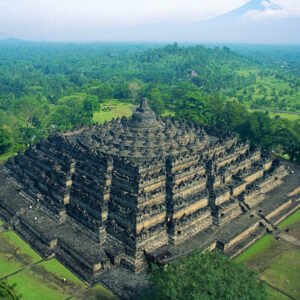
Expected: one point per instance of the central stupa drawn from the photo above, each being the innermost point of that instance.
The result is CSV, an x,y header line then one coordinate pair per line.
x,y
142,136
119,193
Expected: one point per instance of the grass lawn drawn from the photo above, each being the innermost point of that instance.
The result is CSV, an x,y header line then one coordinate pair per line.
x,y
55,267
294,218
45,281
289,116
168,113
284,273
275,295
278,262
15,254
50,280
259,247
112,109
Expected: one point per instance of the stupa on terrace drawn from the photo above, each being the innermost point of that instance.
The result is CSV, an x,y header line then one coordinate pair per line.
x,y
133,191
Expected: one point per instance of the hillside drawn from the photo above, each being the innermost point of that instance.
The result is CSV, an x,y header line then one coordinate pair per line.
x,y
46,87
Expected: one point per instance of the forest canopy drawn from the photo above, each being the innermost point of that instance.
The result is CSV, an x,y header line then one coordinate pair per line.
x,y
205,276
48,87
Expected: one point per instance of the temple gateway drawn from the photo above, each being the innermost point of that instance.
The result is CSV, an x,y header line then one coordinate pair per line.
x,y
140,190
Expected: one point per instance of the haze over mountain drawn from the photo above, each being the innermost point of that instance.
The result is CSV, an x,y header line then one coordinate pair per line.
x,y
240,21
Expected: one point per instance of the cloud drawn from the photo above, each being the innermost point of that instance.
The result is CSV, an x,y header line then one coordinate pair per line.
x,y
90,20
275,9
37,17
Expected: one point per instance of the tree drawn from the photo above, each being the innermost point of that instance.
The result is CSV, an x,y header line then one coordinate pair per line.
x,y
7,292
73,111
134,89
30,111
194,106
234,115
205,276
259,128
287,138
156,102
6,139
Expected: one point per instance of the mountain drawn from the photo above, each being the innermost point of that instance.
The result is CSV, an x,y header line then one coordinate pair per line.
x,y
233,27
249,6
256,22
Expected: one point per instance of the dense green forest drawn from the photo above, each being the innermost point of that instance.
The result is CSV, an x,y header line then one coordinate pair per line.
x,y
46,87
204,276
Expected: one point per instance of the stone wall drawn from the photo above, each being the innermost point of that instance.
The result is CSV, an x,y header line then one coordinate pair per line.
x,y
135,186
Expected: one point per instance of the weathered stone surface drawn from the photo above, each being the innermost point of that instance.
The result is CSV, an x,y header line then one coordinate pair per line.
x,y
119,193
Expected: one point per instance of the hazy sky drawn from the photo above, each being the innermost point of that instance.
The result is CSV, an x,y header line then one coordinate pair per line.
x,y
88,19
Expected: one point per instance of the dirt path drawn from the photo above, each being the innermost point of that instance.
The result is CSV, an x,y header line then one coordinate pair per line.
x,y
289,239
21,269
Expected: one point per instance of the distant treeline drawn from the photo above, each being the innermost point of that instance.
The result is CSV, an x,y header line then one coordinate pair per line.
x,y
274,134
48,87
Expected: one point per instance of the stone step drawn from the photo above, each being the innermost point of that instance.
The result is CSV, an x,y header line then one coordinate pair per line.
x,y
237,249
284,213
36,243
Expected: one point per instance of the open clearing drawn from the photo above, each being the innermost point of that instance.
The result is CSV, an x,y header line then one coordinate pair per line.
x,y
289,116
38,279
277,261
113,109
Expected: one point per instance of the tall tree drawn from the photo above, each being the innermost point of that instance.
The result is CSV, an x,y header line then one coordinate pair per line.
x,y
156,102
205,276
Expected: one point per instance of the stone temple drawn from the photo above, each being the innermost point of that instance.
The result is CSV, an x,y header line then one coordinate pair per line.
x,y
140,190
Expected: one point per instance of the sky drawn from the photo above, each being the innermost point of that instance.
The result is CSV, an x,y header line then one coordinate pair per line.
x,y
142,20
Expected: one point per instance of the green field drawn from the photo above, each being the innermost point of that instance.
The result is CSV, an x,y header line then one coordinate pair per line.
x,y
259,247
169,112
113,109
284,273
293,219
289,116
277,261
284,115
276,295
15,254
37,279
46,280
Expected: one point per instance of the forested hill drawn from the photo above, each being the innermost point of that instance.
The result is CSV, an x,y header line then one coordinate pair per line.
x,y
55,69
210,69
52,86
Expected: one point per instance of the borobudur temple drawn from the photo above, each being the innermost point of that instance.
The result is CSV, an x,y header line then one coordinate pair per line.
x,y
140,190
